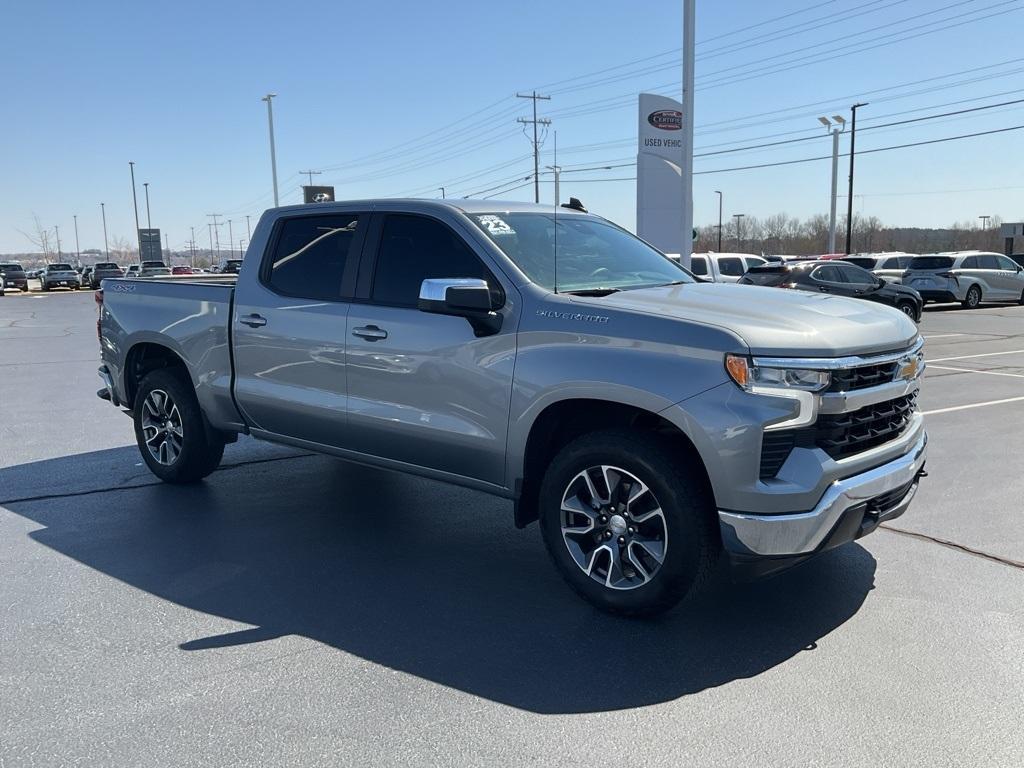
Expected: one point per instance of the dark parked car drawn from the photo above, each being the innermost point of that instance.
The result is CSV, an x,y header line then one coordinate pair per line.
x,y
102,271
14,276
59,276
230,267
839,278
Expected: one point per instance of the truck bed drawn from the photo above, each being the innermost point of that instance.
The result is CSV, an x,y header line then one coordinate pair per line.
x,y
191,315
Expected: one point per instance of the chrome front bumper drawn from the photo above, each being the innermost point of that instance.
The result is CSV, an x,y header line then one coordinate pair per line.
x,y
803,533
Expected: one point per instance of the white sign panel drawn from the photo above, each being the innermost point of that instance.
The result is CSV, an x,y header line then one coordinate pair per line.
x,y
659,189
1012,230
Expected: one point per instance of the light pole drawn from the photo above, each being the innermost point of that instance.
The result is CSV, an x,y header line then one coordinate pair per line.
x,y
273,154
849,201
739,238
78,251
149,219
241,250
841,121
686,170
719,220
442,192
192,243
984,221
135,202
56,229
210,227
247,230
106,248
557,170
231,241
167,245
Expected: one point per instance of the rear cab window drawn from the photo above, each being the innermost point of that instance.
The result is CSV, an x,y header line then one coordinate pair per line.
x,y
699,265
773,275
732,266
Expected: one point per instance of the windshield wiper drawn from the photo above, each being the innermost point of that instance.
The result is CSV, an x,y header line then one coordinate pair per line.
x,y
592,291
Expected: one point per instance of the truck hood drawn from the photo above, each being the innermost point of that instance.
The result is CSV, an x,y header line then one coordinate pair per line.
x,y
774,321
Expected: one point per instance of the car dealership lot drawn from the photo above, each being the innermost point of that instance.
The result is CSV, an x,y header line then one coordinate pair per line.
x,y
293,609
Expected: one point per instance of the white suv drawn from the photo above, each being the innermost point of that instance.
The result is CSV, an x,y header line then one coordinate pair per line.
x,y
889,266
723,267
969,277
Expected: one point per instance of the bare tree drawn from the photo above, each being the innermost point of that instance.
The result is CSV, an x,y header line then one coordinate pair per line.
x,y
39,237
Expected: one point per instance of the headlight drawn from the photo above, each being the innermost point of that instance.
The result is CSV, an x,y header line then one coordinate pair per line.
x,y
752,378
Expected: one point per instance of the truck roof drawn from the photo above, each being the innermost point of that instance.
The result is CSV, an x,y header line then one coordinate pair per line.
x,y
465,206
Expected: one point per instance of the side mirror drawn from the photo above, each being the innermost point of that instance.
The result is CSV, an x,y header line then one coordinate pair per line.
x,y
468,297
881,281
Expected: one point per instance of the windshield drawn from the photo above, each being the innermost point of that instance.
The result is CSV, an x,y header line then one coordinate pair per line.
x,y
60,268
593,254
11,267
931,262
106,265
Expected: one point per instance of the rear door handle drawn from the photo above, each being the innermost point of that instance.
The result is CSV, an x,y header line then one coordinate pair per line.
x,y
370,333
253,321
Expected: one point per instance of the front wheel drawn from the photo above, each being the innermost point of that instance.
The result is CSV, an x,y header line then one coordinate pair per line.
x,y
908,309
973,298
630,529
170,431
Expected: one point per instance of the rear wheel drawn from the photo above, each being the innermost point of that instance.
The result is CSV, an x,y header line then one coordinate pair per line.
x,y
973,298
170,431
630,529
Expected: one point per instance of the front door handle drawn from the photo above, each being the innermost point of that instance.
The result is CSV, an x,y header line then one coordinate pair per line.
x,y
370,333
253,320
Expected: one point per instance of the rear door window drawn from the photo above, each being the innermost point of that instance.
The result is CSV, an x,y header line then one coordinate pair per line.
x,y
731,266
311,254
855,275
828,274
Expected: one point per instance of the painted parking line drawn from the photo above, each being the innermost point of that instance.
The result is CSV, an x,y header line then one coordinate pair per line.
x,y
942,336
973,405
970,357
975,370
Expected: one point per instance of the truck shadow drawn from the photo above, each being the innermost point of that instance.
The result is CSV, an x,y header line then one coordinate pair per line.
x,y
423,578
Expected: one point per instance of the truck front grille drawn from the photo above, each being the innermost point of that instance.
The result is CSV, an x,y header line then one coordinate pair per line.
x,y
840,435
862,377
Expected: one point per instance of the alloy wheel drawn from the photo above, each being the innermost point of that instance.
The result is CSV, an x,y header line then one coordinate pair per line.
x,y
613,527
161,427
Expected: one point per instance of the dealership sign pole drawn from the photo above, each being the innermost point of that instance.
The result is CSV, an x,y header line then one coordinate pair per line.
x,y
689,14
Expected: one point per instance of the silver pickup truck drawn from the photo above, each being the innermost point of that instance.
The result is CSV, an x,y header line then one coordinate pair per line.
x,y
649,421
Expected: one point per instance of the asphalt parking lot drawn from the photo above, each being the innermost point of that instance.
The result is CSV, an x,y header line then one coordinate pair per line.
x,y
293,609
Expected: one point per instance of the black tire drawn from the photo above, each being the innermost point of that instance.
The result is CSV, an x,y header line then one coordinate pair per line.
x,y
692,541
909,309
1021,299
200,451
972,300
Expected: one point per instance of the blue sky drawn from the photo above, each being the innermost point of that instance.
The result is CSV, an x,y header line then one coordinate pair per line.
x,y
402,97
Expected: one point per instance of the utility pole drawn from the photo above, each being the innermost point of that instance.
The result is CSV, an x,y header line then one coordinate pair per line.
x,y
231,241
849,201
216,231
78,251
719,220
310,174
210,228
739,237
149,219
241,250
192,243
841,122
135,202
56,229
686,170
536,142
167,245
273,153
247,230
106,248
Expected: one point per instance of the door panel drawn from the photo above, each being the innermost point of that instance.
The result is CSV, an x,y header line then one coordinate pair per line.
x,y
290,329
430,393
423,388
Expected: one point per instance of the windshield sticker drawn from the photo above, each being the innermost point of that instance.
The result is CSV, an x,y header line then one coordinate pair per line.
x,y
495,225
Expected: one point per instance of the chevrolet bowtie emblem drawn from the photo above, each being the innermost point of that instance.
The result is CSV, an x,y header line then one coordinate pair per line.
x,y
908,368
